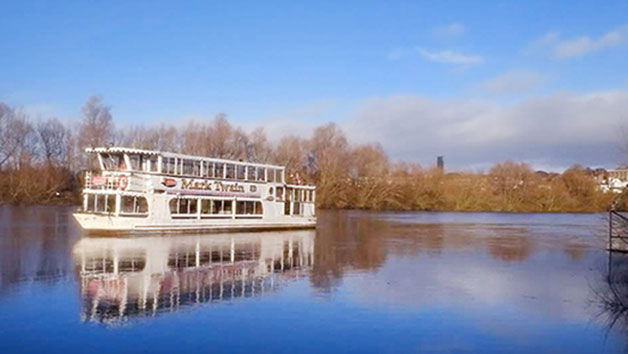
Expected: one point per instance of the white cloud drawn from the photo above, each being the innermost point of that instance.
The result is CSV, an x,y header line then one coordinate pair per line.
x,y
450,30
512,82
555,130
450,57
583,45
550,132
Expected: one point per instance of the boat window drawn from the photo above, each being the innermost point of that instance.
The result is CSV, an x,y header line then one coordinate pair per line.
x,y
133,205
113,161
230,171
248,208
136,161
271,175
197,168
206,206
279,194
183,206
220,170
251,173
110,203
228,207
296,208
90,203
188,167
279,176
188,206
218,207
141,205
289,192
208,169
100,203
261,174
241,172
168,165
154,163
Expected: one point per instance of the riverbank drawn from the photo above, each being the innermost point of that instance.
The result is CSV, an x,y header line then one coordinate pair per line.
x,y
508,187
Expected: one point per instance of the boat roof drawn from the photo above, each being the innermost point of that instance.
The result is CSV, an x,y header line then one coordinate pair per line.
x,y
125,150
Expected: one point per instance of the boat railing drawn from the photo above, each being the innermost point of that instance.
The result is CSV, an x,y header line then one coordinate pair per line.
x,y
617,231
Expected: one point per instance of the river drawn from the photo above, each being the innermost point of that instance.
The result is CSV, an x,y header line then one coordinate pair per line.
x,y
361,282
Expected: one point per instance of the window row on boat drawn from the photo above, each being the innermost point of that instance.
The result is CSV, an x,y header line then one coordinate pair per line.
x,y
191,167
189,208
300,195
106,203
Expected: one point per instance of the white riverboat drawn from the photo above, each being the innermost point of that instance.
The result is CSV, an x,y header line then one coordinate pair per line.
x,y
152,191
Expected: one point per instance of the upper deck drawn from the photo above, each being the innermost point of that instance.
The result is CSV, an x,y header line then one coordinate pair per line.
x,y
121,159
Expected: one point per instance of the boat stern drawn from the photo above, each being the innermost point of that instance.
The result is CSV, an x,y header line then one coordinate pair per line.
x,y
100,222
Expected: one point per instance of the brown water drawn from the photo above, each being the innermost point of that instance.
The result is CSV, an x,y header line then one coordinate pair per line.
x,y
361,282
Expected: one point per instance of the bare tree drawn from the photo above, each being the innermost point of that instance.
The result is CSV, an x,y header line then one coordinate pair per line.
x,y
259,148
239,145
96,128
166,138
53,137
8,141
291,152
329,149
17,143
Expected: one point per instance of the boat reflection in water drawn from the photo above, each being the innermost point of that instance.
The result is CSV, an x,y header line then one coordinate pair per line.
x,y
127,277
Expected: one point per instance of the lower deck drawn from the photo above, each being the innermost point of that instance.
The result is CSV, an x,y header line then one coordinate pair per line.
x,y
95,223
240,207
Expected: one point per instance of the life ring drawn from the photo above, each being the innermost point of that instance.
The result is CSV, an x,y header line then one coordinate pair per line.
x,y
124,182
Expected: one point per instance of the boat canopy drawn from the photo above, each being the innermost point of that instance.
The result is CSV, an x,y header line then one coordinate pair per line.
x,y
132,151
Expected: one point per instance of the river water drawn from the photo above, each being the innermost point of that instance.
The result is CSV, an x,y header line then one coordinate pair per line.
x,y
361,282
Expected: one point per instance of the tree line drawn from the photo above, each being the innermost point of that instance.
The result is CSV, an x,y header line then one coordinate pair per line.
x,y
41,161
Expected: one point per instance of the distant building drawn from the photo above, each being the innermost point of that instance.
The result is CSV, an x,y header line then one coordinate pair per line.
x,y
440,163
614,180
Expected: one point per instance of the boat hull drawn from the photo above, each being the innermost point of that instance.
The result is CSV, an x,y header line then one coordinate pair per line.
x,y
96,224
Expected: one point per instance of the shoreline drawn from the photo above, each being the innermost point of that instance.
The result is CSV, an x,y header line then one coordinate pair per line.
x,y
375,210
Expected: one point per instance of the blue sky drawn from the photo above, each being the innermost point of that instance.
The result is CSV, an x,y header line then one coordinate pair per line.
x,y
290,65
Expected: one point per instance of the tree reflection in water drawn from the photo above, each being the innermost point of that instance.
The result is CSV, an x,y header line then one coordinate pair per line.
x,y
611,295
35,245
362,241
